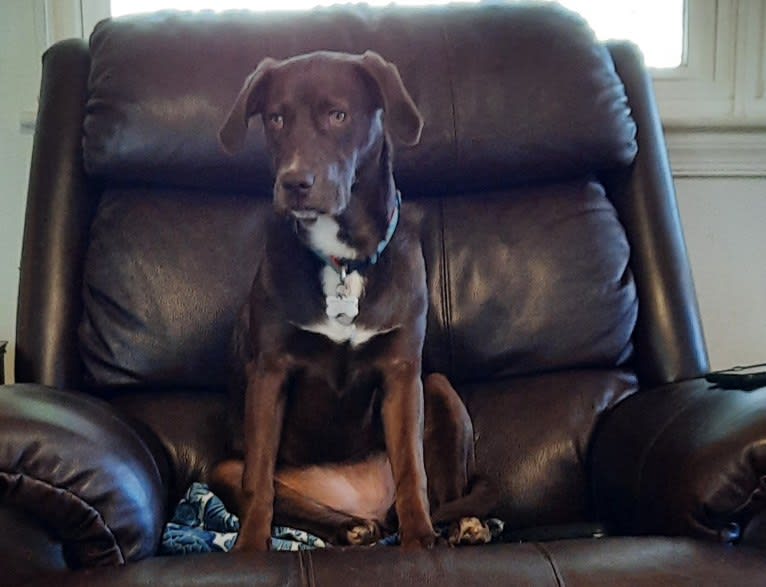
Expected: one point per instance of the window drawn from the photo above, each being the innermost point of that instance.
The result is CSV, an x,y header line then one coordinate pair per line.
x,y
657,26
710,61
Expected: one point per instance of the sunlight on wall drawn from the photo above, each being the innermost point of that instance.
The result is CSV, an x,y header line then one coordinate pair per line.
x,y
657,26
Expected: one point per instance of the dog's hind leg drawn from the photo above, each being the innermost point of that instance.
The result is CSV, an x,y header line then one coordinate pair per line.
x,y
294,509
447,442
455,494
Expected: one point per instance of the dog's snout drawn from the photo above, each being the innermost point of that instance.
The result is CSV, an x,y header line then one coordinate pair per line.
x,y
299,182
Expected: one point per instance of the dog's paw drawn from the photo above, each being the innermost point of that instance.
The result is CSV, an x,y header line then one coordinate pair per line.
x,y
425,540
469,531
363,533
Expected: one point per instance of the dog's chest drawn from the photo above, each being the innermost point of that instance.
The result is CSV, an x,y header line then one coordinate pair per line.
x,y
323,236
333,328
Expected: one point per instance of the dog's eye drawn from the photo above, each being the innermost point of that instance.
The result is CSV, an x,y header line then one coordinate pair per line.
x,y
276,120
337,117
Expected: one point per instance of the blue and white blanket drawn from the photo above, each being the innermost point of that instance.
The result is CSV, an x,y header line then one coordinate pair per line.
x,y
201,524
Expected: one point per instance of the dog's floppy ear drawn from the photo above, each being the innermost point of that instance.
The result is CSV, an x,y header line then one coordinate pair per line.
x,y
402,116
248,102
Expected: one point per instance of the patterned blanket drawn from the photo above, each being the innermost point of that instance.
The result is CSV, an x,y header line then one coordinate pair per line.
x,y
201,524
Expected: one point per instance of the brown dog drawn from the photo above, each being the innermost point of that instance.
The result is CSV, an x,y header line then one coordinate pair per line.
x,y
336,416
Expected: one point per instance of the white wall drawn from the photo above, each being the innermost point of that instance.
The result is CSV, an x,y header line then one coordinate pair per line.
x,y
723,217
725,225
20,42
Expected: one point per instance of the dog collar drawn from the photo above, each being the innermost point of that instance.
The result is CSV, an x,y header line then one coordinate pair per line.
x,y
345,266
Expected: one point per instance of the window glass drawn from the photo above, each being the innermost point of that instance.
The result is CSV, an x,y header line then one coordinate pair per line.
x,y
657,26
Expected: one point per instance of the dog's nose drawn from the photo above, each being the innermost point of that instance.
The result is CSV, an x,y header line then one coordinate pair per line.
x,y
298,182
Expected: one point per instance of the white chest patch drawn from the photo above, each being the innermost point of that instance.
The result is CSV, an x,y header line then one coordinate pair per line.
x,y
323,236
340,333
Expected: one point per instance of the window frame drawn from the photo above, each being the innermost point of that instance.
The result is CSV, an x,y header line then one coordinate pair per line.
x,y
721,83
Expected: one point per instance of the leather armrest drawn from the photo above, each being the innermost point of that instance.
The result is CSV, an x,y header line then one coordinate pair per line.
x,y
71,464
684,459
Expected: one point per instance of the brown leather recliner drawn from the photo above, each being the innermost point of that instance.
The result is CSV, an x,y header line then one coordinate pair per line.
x,y
562,306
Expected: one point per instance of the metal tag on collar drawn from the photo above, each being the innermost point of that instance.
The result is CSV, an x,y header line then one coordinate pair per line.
x,y
343,307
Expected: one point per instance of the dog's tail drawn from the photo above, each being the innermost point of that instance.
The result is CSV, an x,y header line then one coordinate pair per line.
x,y
480,501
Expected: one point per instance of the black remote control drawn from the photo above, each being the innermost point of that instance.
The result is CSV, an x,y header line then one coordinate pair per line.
x,y
745,378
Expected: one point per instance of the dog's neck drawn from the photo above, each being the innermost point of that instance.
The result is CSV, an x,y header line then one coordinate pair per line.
x,y
366,225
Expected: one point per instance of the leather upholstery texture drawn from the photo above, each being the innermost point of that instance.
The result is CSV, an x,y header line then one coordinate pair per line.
x,y
562,305
164,280
622,562
87,475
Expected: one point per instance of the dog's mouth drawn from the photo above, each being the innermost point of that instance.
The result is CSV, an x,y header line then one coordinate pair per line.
x,y
305,215
306,208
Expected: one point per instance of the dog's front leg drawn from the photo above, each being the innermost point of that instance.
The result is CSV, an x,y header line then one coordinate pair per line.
x,y
403,428
264,414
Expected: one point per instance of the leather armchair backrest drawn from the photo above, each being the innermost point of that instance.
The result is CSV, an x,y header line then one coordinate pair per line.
x,y
525,176
510,94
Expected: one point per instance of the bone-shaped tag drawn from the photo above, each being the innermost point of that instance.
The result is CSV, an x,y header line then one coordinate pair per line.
x,y
342,307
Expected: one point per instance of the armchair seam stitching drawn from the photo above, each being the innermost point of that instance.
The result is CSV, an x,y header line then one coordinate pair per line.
x,y
549,558
308,578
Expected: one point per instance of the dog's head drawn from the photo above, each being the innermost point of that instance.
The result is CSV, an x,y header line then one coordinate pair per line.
x,y
325,115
